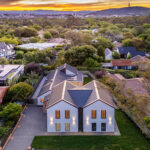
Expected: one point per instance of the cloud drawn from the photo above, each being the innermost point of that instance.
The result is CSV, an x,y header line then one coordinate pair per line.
x,y
68,4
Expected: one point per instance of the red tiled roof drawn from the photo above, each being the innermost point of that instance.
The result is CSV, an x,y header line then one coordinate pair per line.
x,y
121,62
3,90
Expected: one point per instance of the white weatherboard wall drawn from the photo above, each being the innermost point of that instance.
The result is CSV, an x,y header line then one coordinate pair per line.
x,y
62,106
42,97
98,106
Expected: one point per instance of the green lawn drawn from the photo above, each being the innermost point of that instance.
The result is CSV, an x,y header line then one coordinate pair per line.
x,y
130,139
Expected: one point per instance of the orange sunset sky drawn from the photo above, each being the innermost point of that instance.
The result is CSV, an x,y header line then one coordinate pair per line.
x,y
67,5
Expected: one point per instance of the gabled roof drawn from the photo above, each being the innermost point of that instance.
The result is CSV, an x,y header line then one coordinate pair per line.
x,y
99,93
60,93
79,96
131,50
122,62
59,75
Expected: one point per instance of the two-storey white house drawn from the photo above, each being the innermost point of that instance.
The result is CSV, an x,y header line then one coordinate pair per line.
x,y
87,108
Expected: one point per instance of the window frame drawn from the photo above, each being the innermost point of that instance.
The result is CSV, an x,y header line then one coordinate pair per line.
x,y
95,116
67,128
93,128
103,123
67,111
57,111
57,125
103,117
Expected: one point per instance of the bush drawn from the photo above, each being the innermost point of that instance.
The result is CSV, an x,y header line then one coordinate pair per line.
x,y
19,92
116,55
47,35
11,112
147,119
89,62
19,54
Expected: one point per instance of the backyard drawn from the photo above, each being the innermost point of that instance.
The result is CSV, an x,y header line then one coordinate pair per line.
x,y
130,139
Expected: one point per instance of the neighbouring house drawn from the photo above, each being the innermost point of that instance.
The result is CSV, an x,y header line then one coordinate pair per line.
x,y
64,72
116,45
122,64
40,46
7,50
8,73
108,54
87,108
3,90
94,31
139,58
135,84
119,64
125,51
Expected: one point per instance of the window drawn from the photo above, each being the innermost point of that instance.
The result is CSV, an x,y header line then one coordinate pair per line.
x,y
93,114
103,114
103,126
57,126
67,114
93,126
67,126
57,114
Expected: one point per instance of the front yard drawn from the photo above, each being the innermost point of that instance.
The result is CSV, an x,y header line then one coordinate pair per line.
x,y
130,139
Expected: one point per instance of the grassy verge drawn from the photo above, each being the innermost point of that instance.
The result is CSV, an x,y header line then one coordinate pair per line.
x,y
130,139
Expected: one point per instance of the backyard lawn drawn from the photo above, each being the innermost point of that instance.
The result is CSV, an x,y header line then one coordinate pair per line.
x,y
130,139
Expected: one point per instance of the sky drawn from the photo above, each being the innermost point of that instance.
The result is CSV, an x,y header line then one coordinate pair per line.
x,y
69,5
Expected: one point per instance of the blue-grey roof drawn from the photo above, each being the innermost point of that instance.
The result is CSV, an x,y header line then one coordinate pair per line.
x,y
131,50
80,96
57,76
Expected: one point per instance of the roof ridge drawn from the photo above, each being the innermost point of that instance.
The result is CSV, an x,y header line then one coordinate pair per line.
x,y
96,90
63,92
53,79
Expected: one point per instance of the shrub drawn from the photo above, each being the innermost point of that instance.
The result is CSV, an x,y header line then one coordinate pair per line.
x,y
11,112
89,62
47,35
19,92
19,54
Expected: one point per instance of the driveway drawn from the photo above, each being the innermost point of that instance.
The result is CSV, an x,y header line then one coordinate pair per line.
x,y
32,124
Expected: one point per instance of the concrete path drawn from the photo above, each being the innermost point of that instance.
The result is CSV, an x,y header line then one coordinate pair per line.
x,y
32,124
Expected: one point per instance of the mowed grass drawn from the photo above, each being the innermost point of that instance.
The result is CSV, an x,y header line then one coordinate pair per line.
x,y
130,139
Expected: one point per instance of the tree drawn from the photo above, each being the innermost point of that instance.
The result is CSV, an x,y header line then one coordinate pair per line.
x,y
19,92
37,27
11,112
32,68
90,62
116,55
9,40
101,52
54,33
19,54
106,43
47,35
127,35
77,54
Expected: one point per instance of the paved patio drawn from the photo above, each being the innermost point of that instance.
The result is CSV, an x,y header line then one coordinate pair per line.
x,y
32,124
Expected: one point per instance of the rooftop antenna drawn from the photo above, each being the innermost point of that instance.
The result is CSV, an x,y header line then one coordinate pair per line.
x,y
129,4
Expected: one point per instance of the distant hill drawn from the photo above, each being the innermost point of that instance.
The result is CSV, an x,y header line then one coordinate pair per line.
x,y
108,12
122,11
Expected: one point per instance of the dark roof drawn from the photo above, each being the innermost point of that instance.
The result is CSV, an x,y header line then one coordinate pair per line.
x,y
131,50
57,76
121,62
79,96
